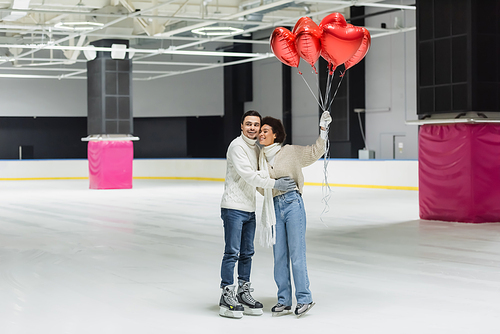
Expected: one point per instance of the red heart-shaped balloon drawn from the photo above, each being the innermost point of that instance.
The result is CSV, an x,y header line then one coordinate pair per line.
x,y
334,18
339,40
361,53
282,44
307,40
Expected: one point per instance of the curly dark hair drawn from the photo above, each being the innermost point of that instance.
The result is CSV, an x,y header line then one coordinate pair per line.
x,y
277,126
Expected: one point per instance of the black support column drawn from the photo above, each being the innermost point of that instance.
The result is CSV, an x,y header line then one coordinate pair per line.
x,y
458,104
109,92
110,124
458,52
345,133
238,89
286,79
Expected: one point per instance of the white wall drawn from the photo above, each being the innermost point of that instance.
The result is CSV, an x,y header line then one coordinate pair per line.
x,y
267,88
195,94
43,97
341,172
267,96
391,88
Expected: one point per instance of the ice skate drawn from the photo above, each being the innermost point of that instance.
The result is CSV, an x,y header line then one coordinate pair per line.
x,y
250,305
302,309
229,306
280,309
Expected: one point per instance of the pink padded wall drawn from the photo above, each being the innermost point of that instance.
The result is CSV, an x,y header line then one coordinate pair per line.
x,y
459,172
110,164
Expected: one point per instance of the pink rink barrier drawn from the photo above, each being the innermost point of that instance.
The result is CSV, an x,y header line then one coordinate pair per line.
x,y
459,172
110,164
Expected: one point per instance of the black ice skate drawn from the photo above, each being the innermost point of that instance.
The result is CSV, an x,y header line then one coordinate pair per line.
x,y
229,306
251,306
280,309
302,309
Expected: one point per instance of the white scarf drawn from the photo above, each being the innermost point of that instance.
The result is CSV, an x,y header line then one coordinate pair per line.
x,y
268,219
250,142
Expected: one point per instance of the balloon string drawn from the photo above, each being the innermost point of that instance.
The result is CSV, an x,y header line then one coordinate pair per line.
x,y
325,188
323,102
319,94
311,90
336,91
331,78
327,90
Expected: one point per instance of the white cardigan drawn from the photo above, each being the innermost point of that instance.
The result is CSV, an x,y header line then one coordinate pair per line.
x,y
242,176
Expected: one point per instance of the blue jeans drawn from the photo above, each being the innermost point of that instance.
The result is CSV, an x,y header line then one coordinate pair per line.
x,y
290,247
239,233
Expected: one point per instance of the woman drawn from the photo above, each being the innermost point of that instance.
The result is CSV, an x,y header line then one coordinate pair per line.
x,y
283,216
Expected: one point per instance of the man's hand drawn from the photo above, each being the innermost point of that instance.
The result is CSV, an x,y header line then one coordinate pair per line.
x,y
285,184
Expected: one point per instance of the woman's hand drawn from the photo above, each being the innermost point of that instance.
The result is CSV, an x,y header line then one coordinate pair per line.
x,y
325,120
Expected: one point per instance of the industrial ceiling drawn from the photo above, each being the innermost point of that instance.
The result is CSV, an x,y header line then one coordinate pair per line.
x,y
50,38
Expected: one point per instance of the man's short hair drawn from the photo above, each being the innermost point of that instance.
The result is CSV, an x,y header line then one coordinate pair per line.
x,y
251,113
277,126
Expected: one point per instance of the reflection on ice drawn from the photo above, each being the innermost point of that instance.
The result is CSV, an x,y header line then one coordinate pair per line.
x,y
147,260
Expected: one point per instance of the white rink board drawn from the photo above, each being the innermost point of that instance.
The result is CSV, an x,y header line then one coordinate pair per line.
x,y
340,171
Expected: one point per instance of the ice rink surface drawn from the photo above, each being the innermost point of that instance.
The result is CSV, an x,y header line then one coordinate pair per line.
x,y
147,260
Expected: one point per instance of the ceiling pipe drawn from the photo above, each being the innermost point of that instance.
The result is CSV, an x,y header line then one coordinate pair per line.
x,y
237,62
292,21
250,30
166,17
20,6
375,14
148,51
258,28
368,4
73,70
207,40
136,62
393,31
72,75
278,23
131,15
270,25
229,17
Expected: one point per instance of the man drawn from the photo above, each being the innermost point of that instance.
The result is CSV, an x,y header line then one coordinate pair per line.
x,y
238,215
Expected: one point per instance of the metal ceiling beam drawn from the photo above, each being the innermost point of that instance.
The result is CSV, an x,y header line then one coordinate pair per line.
x,y
174,38
172,51
367,4
179,49
131,15
250,30
344,4
229,17
72,75
166,17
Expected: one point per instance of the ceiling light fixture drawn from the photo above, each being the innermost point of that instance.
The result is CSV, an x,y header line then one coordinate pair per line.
x,y
216,31
78,26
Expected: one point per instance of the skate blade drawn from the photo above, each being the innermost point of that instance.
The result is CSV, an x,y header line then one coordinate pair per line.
x,y
224,312
252,311
310,307
282,313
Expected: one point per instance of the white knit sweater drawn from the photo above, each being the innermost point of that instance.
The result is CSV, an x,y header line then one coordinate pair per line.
x,y
242,176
